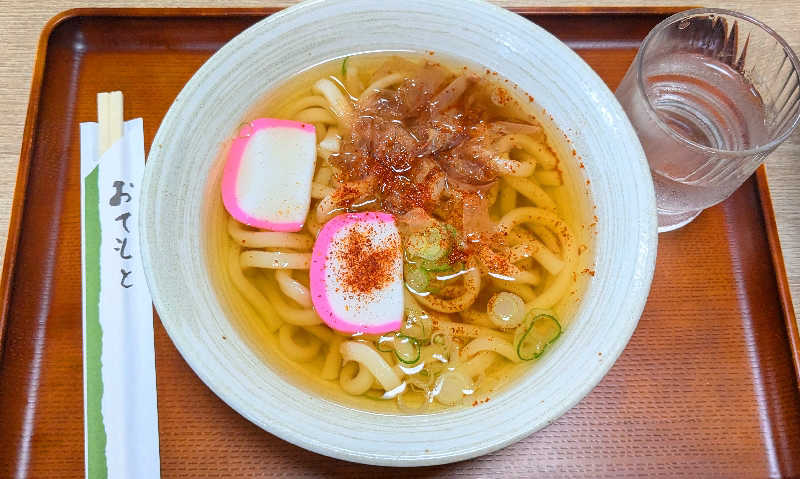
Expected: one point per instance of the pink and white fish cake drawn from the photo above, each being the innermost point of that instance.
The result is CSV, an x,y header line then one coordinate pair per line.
x,y
357,273
267,178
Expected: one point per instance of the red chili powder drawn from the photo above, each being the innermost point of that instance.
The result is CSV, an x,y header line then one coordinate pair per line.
x,y
366,267
345,196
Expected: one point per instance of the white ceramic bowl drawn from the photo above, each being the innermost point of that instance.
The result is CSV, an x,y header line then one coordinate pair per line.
x,y
181,198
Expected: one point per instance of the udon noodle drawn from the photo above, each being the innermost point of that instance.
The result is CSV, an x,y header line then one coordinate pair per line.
x,y
440,148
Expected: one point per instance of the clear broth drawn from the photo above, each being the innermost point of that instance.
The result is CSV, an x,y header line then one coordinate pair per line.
x,y
573,205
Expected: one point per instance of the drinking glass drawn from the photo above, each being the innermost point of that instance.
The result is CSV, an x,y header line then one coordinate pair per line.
x,y
710,93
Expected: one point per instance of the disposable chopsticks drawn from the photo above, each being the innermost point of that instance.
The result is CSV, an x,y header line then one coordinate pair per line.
x,y
120,401
109,119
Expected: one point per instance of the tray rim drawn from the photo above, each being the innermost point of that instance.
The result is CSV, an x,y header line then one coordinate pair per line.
x,y
782,281
37,80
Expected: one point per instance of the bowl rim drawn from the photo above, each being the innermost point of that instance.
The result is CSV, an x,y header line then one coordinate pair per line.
x,y
645,264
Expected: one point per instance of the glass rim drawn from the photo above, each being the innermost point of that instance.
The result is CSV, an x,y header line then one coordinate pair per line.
x,y
790,54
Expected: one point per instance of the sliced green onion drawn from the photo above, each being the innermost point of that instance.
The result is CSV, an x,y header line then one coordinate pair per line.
x,y
506,310
417,278
430,244
418,324
344,66
535,334
406,349
434,266
435,287
435,357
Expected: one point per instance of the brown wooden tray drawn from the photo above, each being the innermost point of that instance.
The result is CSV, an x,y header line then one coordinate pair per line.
x,y
705,387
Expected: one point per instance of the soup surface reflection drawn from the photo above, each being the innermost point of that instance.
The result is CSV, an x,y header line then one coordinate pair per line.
x,y
491,266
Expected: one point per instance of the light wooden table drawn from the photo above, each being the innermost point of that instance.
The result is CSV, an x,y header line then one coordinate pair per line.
x,y
22,21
